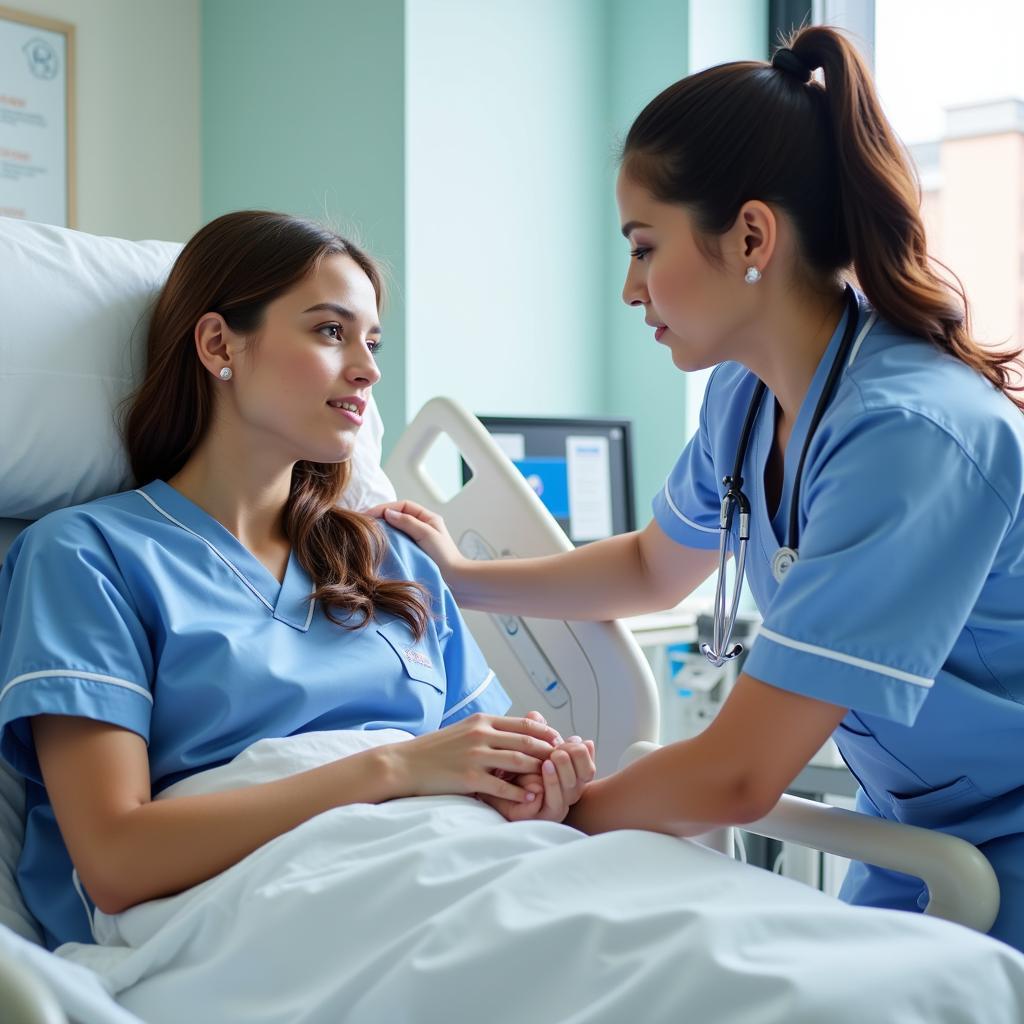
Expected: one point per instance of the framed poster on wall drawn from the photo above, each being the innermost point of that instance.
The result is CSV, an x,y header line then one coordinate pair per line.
x,y
37,136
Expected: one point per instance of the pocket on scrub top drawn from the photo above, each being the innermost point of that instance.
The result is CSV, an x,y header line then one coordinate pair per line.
x,y
415,658
945,807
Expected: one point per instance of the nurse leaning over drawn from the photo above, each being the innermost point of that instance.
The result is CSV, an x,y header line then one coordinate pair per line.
x,y
887,450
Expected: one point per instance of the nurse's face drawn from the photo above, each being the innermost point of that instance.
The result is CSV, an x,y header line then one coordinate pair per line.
x,y
303,384
696,307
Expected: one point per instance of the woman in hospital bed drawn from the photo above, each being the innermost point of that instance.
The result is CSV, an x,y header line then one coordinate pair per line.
x,y
749,193
152,634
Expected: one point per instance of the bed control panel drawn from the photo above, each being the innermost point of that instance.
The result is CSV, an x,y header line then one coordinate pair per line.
x,y
526,649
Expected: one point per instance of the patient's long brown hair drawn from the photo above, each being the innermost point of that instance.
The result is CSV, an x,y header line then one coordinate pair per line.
x,y
825,153
235,266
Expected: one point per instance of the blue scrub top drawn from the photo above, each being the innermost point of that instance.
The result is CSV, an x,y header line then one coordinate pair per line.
x,y
141,610
907,603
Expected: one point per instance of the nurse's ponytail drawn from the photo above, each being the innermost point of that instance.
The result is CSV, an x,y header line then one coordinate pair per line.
x,y
235,266
825,153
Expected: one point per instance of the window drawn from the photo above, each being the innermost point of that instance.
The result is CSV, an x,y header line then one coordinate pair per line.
x,y
952,84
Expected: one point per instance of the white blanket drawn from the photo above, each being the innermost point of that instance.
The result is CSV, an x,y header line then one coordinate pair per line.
x,y
437,910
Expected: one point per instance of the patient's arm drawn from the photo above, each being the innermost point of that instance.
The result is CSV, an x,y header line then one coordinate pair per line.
x,y
128,848
630,574
732,773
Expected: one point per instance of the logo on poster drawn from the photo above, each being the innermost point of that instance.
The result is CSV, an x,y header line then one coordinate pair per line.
x,y
41,57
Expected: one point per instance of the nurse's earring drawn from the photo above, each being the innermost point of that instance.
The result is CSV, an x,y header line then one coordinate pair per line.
x,y
752,276
225,373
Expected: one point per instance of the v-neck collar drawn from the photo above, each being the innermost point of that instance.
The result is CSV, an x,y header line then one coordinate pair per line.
x,y
288,601
777,526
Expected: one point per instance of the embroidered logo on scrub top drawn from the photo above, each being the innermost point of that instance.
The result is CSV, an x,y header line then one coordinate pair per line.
x,y
418,657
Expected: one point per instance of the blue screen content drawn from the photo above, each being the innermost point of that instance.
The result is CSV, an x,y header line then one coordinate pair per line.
x,y
549,478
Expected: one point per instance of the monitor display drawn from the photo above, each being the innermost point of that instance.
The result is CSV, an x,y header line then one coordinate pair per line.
x,y
580,468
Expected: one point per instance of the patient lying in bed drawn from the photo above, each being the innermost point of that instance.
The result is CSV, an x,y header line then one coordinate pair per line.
x,y
161,631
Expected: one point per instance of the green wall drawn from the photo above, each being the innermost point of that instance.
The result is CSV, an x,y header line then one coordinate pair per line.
x,y
303,110
646,51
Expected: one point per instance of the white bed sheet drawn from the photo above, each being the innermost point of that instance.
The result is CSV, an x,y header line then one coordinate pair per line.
x,y
437,910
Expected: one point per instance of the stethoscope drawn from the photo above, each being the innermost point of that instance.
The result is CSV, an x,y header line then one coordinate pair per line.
x,y
718,652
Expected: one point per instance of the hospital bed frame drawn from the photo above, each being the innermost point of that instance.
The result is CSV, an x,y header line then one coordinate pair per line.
x,y
591,679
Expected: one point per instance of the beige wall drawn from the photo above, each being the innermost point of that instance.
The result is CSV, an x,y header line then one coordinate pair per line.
x,y
980,220
137,124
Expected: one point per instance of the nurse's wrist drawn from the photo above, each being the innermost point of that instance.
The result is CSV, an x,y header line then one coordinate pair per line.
x,y
461,576
583,814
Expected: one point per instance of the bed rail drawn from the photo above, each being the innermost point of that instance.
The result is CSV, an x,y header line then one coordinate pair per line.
x,y
24,999
962,885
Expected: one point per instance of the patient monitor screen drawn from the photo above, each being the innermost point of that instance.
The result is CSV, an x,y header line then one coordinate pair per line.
x,y
581,469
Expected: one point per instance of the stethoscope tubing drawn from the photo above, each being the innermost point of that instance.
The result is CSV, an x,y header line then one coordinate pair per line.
x,y
719,652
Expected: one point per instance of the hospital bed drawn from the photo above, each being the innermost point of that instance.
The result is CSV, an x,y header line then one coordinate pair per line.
x,y
588,678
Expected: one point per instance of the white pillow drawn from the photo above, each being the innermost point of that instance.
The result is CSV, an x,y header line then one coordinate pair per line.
x,y
72,340
74,309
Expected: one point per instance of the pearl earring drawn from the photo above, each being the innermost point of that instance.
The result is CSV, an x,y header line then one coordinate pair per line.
x,y
752,276
225,373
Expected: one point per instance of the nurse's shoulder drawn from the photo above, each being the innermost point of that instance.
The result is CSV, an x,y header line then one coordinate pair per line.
x,y
920,389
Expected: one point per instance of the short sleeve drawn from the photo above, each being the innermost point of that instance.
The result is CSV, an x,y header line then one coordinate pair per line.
x,y
471,684
902,529
688,506
71,642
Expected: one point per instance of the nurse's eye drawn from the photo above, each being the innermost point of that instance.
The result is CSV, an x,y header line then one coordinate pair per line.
x,y
336,328
640,252
375,346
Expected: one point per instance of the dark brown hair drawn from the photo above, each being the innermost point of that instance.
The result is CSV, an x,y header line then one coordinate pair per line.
x,y
827,156
235,266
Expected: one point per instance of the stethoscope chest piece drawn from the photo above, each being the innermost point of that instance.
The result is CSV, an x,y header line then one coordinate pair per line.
x,y
782,562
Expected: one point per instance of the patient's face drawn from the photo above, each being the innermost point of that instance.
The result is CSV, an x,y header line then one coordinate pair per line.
x,y
314,351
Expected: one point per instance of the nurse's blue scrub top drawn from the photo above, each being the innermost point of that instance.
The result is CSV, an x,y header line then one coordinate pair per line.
x,y
907,603
141,610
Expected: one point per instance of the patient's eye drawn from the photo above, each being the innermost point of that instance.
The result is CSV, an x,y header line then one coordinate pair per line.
x,y
640,252
335,333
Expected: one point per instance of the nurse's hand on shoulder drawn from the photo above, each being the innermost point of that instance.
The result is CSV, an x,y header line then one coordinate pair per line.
x,y
557,786
465,757
426,528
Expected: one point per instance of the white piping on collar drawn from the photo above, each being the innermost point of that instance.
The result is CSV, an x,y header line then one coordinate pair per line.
x,y
860,339
225,560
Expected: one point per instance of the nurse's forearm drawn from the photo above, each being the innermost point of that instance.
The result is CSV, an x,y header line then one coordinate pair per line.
x,y
677,790
165,846
603,580
732,773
